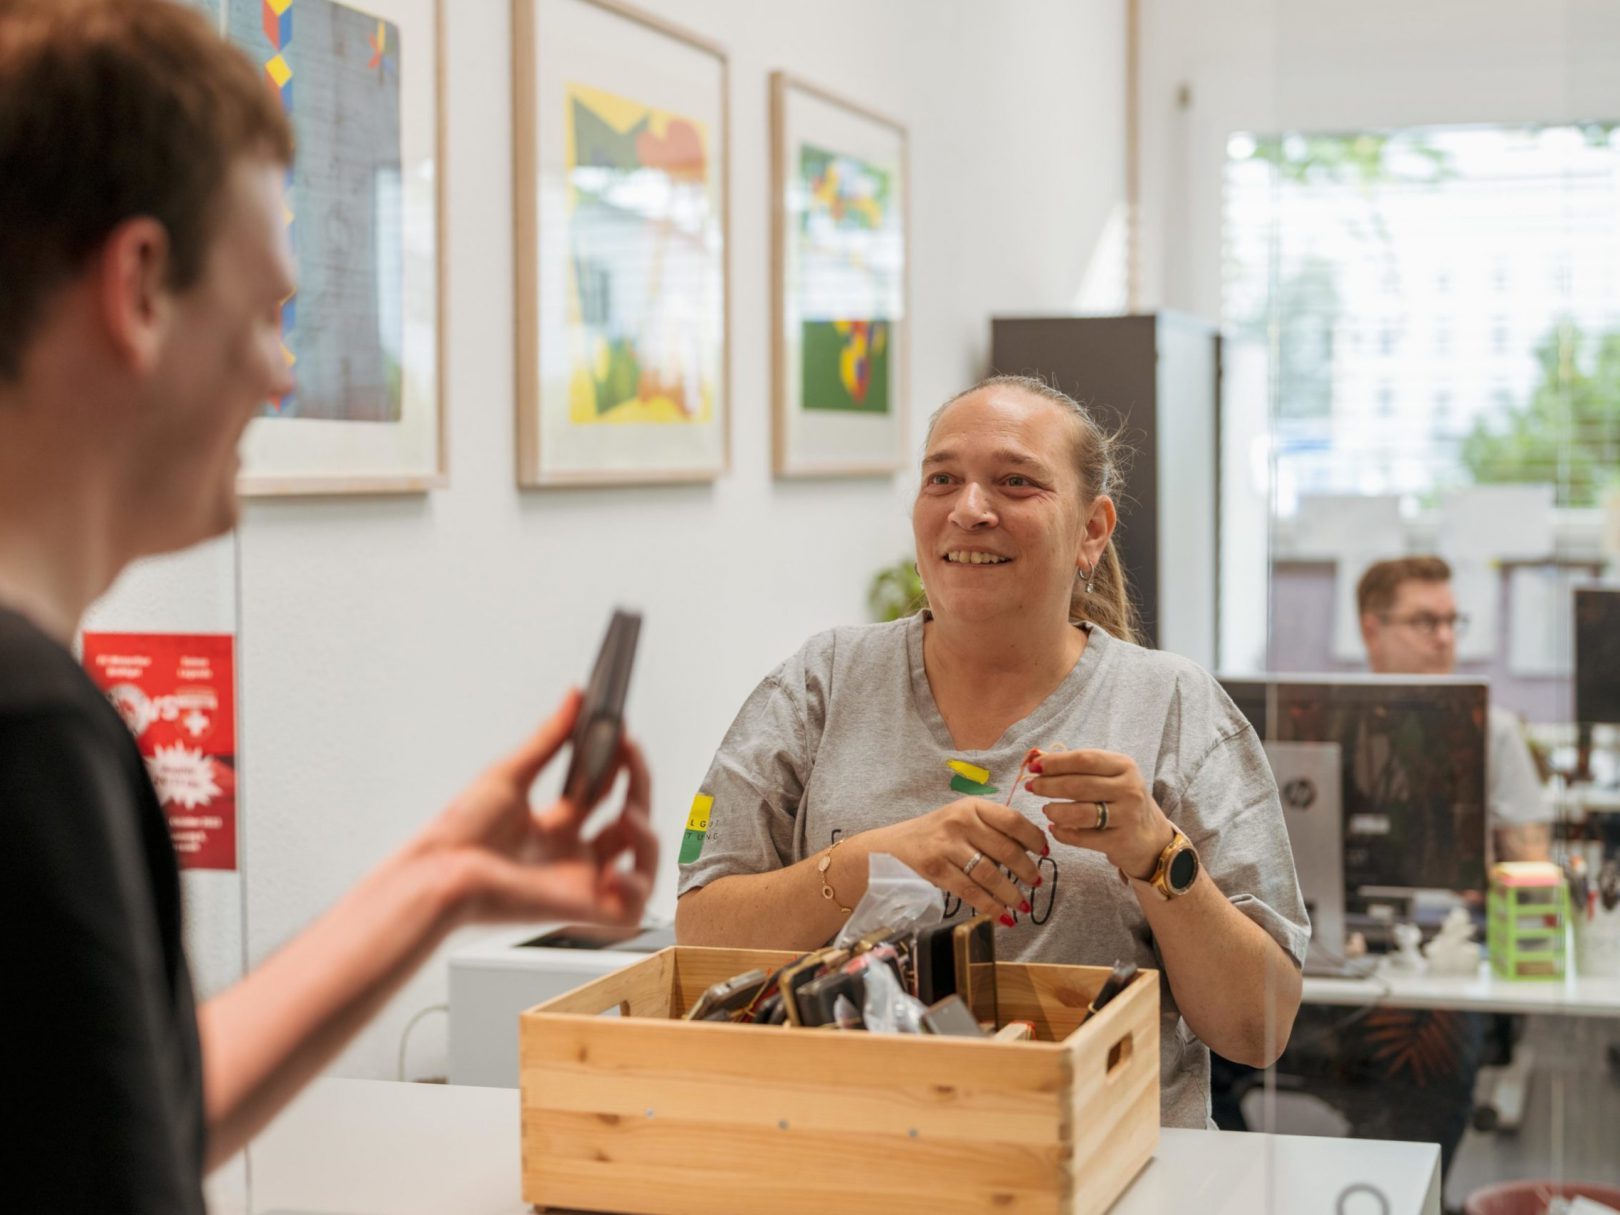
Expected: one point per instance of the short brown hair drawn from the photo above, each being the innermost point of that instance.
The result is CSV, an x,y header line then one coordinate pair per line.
x,y
112,109
1378,587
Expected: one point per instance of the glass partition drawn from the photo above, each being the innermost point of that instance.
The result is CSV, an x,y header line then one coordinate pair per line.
x,y
1419,289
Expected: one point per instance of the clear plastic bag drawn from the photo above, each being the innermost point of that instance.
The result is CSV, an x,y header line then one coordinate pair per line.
x,y
897,899
888,1007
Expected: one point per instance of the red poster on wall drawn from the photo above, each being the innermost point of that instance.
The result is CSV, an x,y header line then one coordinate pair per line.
x,y
176,693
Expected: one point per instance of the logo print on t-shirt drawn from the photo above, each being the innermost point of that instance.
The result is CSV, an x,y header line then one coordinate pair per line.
x,y
970,779
697,828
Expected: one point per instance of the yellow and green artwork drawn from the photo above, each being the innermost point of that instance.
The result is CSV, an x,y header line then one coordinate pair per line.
x,y
642,259
846,225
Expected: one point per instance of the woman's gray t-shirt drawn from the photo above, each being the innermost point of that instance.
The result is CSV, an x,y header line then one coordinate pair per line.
x,y
845,736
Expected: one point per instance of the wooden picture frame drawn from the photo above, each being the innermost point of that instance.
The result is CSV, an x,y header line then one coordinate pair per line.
x,y
840,300
622,177
364,332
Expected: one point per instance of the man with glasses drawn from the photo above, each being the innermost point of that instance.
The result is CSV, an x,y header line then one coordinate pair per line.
x,y
1410,625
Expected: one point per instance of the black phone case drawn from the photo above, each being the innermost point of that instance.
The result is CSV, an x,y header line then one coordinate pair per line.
x,y
818,997
1118,980
936,963
769,1011
601,717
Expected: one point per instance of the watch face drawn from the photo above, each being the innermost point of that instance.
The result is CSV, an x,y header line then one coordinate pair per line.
x,y
1183,869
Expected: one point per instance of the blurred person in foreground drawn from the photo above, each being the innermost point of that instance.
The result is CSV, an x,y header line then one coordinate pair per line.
x,y
143,262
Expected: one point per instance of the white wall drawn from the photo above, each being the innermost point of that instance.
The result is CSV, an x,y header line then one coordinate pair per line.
x,y
389,648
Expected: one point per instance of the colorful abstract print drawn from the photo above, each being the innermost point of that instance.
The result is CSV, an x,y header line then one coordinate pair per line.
x,y
849,267
643,263
336,71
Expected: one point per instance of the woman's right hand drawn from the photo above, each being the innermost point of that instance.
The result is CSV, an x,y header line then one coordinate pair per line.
x,y
940,844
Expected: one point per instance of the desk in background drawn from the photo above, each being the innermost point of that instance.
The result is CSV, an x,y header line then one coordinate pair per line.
x,y
348,1147
1572,996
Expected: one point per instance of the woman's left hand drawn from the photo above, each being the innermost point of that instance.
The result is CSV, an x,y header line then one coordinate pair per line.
x,y
1080,782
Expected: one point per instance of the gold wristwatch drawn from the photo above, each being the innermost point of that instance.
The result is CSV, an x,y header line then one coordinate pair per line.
x,y
1177,868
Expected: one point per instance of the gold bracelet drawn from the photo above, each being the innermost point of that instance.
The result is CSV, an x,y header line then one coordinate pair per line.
x,y
826,886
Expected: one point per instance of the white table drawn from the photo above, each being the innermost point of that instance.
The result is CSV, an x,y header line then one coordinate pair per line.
x,y
348,1147
1572,996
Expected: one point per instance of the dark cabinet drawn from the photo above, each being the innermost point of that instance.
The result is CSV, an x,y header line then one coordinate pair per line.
x,y
1155,376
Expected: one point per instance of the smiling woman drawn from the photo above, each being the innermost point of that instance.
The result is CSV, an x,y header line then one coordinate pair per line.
x,y
1151,830
1097,592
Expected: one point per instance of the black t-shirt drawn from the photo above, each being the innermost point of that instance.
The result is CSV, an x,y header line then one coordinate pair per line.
x,y
100,1067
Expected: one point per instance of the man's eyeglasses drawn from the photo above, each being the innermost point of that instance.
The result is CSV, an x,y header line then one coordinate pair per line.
x,y
1429,624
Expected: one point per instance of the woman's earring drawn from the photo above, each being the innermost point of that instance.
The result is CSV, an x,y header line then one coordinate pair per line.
x,y
1079,572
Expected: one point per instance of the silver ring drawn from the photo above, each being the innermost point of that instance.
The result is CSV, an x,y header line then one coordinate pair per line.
x,y
1102,817
967,869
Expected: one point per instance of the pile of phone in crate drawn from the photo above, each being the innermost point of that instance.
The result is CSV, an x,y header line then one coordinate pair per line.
x,y
940,979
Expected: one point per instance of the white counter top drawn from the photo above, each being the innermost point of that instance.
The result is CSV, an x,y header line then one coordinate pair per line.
x,y
368,1147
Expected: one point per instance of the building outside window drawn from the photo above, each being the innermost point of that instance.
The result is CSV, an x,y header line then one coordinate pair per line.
x,y
1443,232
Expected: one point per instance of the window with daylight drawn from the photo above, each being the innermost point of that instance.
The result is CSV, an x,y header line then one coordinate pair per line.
x,y
1474,269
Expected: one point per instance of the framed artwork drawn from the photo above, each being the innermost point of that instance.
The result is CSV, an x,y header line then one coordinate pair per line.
x,y
362,81
839,232
621,165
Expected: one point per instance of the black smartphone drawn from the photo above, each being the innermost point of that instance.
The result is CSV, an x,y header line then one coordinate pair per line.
x,y
795,975
935,960
727,997
601,716
818,999
769,1010
1118,979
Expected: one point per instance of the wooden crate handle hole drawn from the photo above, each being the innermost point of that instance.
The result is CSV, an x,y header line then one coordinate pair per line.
x,y
1119,1054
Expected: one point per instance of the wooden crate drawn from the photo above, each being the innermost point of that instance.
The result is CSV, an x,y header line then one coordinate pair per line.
x,y
639,1113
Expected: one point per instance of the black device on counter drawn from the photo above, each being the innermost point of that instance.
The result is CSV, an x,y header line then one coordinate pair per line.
x,y
632,939
601,716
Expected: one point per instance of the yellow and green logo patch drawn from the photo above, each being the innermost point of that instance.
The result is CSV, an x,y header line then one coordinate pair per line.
x,y
970,779
697,828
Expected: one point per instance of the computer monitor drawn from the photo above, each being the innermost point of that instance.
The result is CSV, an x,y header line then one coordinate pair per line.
x,y
1412,774
1308,776
1597,655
